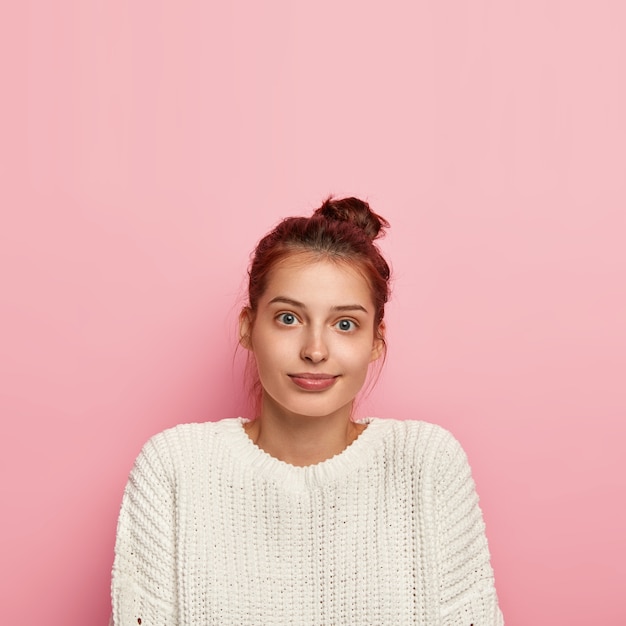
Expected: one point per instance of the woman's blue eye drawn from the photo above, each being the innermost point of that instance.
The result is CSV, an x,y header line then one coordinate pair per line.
x,y
346,325
287,318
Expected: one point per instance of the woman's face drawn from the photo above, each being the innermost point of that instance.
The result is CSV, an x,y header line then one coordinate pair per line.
x,y
313,337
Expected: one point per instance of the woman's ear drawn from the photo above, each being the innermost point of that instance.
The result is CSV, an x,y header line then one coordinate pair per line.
x,y
245,328
379,346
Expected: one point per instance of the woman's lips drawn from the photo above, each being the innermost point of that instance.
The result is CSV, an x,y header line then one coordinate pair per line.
x,y
313,382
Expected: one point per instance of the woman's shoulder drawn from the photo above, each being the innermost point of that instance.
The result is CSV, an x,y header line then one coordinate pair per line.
x,y
415,429
187,439
192,430
421,439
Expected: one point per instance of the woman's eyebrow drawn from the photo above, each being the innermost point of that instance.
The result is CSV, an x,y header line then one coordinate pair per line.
x,y
295,303
350,307
284,300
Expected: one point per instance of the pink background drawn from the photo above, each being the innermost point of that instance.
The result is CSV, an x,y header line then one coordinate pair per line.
x,y
146,146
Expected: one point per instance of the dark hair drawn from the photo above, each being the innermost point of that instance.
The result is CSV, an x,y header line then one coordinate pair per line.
x,y
342,230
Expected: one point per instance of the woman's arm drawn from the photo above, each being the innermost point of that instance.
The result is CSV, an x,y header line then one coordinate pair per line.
x,y
468,595
143,586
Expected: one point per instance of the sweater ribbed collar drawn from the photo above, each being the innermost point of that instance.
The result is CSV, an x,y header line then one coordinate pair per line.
x,y
294,478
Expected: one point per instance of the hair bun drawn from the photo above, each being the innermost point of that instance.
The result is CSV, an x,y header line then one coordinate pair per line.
x,y
354,211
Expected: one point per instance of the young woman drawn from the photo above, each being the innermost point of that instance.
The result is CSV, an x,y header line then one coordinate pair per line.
x,y
305,515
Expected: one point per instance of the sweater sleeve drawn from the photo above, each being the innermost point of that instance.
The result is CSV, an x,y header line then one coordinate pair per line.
x,y
143,586
467,590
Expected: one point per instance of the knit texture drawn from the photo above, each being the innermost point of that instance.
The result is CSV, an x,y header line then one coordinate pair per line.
x,y
213,530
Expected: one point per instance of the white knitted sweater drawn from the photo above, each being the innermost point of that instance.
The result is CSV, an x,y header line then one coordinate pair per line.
x,y
213,530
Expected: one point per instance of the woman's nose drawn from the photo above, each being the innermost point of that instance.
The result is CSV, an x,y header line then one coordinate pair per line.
x,y
314,349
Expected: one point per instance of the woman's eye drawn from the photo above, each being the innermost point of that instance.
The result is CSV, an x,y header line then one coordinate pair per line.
x,y
287,318
346,325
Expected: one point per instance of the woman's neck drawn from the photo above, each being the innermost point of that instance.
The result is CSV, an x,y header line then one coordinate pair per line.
x,y
303,440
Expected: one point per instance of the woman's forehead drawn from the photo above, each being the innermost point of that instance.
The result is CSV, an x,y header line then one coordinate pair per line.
x,y
319,280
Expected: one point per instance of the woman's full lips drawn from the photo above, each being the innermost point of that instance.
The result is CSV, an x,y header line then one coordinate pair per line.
x,y
313,382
